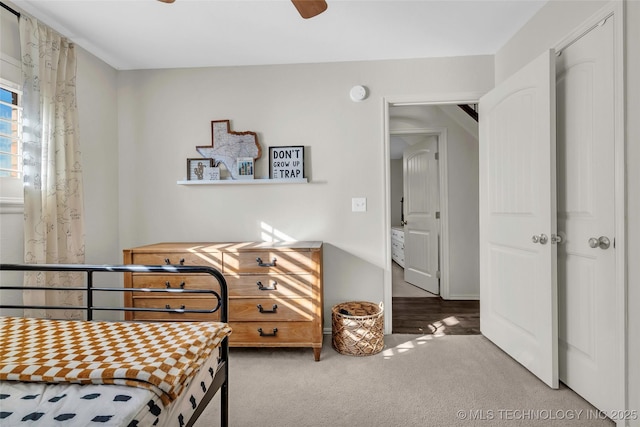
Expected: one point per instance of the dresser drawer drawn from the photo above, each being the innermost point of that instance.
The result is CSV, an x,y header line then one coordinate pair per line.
x,y
262,285
396,245
285,262
397,235
159,281
397,253
270,309
188,303
213,259
247,334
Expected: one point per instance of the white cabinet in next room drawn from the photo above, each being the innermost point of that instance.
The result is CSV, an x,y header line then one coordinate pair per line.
x,y
397,245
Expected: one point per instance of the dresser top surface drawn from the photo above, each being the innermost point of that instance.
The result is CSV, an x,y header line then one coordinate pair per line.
x,y
227,246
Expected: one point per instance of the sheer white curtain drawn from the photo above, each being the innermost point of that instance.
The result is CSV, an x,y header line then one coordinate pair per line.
x,y
53,192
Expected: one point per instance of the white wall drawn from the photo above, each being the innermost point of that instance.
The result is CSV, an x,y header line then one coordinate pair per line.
x,y
9,46
632,71
97,111
11,252
555,21
164,114
548,27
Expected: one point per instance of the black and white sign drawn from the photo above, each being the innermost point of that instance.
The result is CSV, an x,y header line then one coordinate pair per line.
x,y
286,162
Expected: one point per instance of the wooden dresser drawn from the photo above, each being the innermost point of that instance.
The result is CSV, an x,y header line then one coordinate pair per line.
x,y
275,289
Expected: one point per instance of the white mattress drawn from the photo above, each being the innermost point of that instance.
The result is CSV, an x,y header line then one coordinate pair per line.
x,y
41,404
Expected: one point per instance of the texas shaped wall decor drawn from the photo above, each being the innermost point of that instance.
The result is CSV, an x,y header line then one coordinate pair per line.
x,y
226,146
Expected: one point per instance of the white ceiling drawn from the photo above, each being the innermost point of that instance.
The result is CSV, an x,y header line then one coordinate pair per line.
x,y
148,34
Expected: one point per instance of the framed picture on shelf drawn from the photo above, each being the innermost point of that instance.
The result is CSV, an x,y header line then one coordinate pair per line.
x,y
214,173
199,169
245,167
286,162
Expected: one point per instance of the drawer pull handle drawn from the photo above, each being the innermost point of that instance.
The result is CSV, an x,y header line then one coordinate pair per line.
x,y
273,310
265,288
264,334
168,307
168,285
167,261
268,264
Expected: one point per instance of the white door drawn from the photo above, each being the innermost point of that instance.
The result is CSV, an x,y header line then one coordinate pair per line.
x,y
421,205
586,276
518,293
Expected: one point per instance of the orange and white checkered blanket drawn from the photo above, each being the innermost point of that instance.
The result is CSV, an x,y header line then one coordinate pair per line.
x,y
158,356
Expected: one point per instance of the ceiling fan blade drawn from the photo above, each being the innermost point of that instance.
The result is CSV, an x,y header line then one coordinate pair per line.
x,y
310,8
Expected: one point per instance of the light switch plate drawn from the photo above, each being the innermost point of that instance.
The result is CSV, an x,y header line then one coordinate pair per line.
x,y
359,204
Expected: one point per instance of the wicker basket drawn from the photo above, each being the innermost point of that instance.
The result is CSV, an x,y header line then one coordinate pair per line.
x,y
357,328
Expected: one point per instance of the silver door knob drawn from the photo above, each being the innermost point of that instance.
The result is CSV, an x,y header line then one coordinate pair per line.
x,y
556,239
542,239
601,242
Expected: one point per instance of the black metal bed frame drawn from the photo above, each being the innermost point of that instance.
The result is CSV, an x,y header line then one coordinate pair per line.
x,y
221,379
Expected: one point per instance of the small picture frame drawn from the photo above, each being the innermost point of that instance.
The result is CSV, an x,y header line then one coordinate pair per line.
x,y
214,173
286,162
245,167
199,169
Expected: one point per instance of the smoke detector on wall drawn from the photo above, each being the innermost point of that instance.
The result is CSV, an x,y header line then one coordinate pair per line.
x,y
358,93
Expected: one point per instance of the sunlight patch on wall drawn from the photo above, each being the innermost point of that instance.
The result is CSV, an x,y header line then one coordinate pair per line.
x,y
271,234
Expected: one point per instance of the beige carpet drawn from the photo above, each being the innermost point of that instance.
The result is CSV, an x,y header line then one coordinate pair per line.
x,y
415,381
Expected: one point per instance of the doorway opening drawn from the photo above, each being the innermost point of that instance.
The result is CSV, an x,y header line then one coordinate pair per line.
x,y
446,309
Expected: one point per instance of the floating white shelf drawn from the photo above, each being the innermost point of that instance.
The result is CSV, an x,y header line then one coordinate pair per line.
x,y
257,181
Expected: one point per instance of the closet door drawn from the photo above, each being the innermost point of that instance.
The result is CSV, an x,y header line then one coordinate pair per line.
x,y
590,341
518,287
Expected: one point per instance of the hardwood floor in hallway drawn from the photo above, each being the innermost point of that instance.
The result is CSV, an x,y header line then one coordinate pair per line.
x,y
415,315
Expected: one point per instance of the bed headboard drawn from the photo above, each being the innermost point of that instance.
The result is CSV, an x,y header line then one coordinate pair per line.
x,y
90,289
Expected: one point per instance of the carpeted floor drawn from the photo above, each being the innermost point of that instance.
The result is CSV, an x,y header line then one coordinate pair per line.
x,y
417,380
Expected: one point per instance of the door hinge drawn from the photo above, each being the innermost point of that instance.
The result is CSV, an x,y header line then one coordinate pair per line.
x,y
437,215
438,274
437,156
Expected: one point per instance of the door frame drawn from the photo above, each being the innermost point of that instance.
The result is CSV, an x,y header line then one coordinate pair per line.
x,y
614,9
418,100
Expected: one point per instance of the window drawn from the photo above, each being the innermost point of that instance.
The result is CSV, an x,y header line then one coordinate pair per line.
x,y
11,193
10,133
